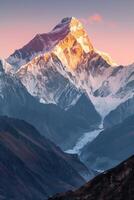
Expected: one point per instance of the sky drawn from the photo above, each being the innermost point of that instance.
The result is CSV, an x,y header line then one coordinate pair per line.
x,y
109,23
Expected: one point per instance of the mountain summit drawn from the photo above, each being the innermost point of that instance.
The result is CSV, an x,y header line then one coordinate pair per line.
x,y
71,49
68,38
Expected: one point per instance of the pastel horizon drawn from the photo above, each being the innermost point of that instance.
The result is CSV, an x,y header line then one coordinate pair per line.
x,y
113,35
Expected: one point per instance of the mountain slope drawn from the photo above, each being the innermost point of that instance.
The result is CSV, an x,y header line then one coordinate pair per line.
x,y
86,110
118,115
62,127
30,164
116,183
112,146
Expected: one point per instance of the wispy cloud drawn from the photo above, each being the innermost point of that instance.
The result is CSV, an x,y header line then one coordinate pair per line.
x,y
95,18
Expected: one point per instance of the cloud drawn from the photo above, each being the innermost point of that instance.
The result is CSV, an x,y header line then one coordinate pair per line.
x,y
95,18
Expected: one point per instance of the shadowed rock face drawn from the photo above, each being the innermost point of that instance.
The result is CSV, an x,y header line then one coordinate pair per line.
x,y
62,127
117,183
118,115
32,167
111,147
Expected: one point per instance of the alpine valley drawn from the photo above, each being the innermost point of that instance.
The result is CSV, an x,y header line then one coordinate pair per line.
x,y
67,114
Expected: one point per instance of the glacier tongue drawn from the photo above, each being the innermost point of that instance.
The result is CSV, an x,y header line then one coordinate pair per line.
x,y
82,141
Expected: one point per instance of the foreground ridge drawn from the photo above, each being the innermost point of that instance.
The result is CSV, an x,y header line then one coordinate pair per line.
x,y
116,183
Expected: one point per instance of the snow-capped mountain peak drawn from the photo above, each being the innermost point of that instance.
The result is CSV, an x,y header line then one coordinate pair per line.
x,y
68,34
61,60
64,62
77,30
72,48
